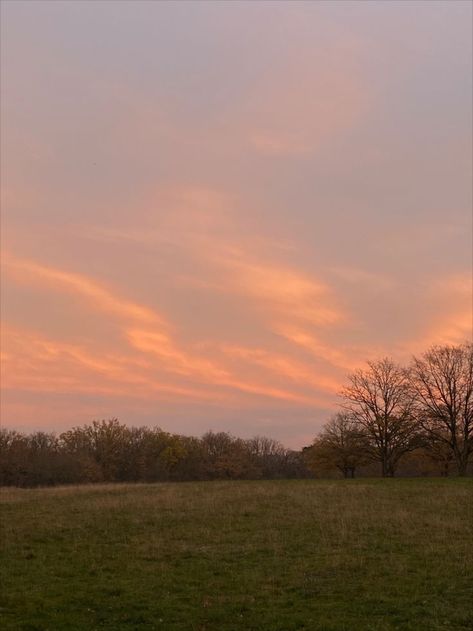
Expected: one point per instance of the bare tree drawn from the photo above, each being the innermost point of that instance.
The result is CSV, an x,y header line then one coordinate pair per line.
x,y
268,455
442,382
440,452
380,402
340,445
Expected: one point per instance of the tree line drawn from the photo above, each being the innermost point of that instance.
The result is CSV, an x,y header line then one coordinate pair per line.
x,y
109,451
392,420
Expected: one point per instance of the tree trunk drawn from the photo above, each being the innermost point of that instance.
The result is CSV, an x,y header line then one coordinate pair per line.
x,y
384,471
462,460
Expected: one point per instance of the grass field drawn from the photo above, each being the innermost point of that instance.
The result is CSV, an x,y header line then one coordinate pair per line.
x,y
273,555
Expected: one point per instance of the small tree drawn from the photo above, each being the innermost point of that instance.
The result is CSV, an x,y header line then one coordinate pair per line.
x,y
340,445
379,401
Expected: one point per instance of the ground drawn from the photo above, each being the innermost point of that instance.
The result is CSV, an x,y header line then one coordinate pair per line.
x,y
265,555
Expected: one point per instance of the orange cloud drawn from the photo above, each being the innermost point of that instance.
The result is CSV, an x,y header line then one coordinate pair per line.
x,y
312,344
96,294
287,367
283,290
204,225
173,359
451,317
153,341
33,362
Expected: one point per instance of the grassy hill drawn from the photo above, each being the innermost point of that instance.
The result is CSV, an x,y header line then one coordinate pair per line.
x,y
273,555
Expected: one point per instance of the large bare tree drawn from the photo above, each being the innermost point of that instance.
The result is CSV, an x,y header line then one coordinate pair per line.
x,y
380,402
442,382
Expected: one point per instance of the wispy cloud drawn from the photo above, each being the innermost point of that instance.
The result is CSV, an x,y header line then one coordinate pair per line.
x,y
98,296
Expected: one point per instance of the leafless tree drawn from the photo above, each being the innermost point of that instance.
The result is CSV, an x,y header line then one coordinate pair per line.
x,y
269,456
339,445
439,452
380,402
442,383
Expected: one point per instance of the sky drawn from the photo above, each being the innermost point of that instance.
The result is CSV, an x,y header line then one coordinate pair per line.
x,y
213,212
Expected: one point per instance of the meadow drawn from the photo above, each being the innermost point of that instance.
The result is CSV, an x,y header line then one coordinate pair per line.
x,y
328,555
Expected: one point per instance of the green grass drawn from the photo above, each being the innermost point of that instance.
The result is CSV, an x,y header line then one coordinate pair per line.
x,y
279,556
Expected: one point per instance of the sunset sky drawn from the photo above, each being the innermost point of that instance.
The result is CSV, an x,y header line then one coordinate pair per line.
x,y
214,211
